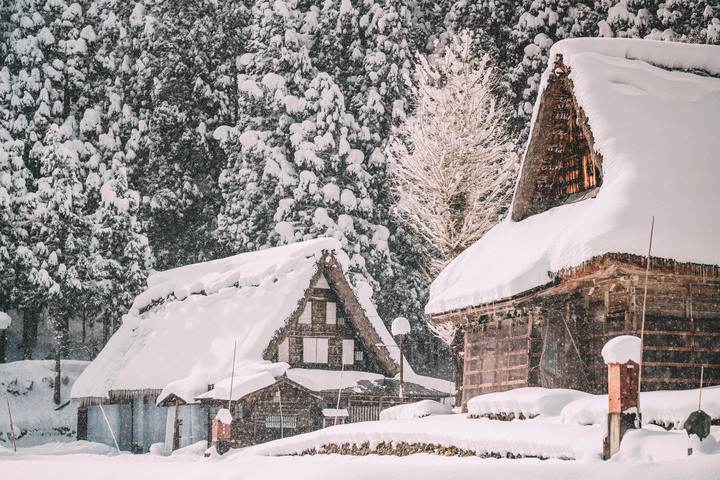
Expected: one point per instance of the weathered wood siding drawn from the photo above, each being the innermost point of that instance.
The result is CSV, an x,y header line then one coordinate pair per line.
x,y
553,338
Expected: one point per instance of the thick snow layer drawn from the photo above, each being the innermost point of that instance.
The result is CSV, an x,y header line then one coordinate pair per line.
x,y
622,349
656,130
527,438
323,380
29,384
530,402
668,408
200,312
419,409
699,466
224,416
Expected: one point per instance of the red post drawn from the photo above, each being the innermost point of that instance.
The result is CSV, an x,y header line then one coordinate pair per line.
x,y
12,430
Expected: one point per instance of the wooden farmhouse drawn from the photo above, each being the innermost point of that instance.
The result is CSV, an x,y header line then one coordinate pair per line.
x,y
623,131
309,350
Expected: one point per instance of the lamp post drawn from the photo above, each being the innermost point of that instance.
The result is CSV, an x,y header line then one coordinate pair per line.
x,y
400,327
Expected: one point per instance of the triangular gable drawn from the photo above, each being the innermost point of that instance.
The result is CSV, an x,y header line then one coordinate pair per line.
x,y
561,165
331,271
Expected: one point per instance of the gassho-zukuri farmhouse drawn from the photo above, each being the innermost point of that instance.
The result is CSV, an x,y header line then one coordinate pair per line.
x,y
309,351
622,131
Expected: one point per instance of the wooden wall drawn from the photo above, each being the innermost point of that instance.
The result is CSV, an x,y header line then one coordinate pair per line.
x,y
553,338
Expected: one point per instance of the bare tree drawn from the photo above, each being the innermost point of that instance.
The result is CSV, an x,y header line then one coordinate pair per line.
x,y
454,161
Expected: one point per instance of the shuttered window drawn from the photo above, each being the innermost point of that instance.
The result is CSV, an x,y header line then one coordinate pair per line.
x,y
331,313
315,350
348,352
273,421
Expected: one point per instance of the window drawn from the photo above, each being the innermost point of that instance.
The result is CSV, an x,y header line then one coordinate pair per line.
x,y
306,315
273,421
359,356
315,350
237,412
348,352
284,351
331,313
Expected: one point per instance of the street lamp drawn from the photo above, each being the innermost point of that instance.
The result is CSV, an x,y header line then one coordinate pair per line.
x,y
400,327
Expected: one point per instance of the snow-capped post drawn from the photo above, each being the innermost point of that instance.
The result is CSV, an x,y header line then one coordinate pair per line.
x,y
400,327
622,356
221,431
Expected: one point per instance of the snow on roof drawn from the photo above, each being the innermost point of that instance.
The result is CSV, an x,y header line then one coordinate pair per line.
x,y
654,112
198,313
241,386
622,349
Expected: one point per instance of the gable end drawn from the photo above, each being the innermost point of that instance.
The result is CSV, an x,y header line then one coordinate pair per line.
x,y
561,165
350,317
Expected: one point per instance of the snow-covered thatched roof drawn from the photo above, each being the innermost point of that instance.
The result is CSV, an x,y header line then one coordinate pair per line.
x,y
185,324
654,112
179,335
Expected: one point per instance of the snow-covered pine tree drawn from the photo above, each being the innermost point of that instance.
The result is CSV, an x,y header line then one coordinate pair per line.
x,y
454,164
274,76
15,202
60,232
120,253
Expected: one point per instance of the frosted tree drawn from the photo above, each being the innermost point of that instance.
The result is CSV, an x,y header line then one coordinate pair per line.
x,y
454,161
120,253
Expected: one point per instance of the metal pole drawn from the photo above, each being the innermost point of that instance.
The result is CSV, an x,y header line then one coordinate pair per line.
x,y
232,377
109,427
642,326
401,368
12,430
337,405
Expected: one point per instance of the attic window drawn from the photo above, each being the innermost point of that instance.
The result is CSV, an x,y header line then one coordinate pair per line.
x,y
560,165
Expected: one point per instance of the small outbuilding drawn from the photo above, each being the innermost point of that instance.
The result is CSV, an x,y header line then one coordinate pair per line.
x,y
623,131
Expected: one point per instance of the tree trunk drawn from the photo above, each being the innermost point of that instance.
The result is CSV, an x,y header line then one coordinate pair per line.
x,y
3,344
57,341
58,376
31,318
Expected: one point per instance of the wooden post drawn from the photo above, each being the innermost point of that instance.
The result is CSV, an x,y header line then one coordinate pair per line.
x,y
82,423
176,433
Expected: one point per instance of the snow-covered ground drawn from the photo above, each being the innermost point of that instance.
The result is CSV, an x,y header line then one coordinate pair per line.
x,y
554,442
29,384
49,463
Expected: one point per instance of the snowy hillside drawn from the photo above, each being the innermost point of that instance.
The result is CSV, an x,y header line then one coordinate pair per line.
x,y
29,384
